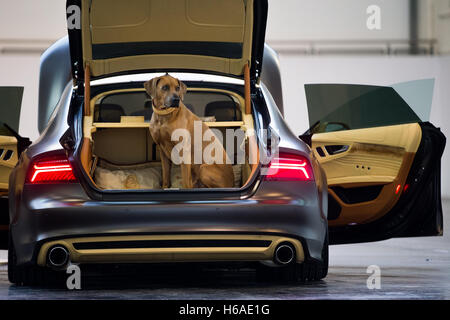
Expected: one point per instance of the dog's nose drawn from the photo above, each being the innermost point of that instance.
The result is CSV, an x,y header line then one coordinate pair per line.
x,y
175,102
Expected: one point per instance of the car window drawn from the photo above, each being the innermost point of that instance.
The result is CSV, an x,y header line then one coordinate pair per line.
x,y
337,107
212,105
10,105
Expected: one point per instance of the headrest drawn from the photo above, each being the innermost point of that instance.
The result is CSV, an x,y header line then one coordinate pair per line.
x,y
223,111
148,104
110,112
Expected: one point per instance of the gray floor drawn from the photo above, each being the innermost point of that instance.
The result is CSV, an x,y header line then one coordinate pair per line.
x,y
414,268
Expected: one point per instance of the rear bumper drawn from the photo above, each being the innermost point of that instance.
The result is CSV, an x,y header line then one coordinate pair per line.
x,y
48,215
170,248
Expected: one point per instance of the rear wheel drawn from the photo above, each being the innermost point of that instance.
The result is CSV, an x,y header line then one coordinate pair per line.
x,y
30,275
312,270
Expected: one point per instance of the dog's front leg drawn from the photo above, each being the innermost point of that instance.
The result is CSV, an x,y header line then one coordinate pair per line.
x,y
186,176
166,165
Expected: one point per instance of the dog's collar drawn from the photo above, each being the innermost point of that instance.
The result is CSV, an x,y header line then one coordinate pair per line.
x,y
163,112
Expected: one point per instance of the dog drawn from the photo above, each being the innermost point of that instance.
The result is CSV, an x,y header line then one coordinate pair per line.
x,y
169,114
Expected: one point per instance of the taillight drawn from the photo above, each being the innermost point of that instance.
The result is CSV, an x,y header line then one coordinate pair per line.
x,y
289,167
51,170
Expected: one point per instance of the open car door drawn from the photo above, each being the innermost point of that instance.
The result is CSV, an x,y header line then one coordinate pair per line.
x,y
381,158
10,104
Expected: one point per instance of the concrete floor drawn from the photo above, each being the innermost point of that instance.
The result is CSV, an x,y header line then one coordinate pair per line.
x,y
414,268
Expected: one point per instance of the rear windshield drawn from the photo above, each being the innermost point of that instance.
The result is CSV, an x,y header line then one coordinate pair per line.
x,y
212,106
336,107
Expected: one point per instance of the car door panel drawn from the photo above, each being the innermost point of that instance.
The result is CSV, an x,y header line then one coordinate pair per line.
x,y
8,160
10,105
382,161
417,210
375,157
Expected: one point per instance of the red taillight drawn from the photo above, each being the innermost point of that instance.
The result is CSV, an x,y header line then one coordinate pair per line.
x,y
289,167
54,169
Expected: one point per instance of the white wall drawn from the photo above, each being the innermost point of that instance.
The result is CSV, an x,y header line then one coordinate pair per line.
x,y
441,24
32,19
28,24
23,71
376,70
335,20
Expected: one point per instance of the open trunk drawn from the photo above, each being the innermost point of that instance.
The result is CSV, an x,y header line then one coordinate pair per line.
x,y
117,37
118,151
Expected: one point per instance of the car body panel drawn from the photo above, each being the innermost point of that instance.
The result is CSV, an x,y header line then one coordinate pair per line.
x,y
54,212
55,73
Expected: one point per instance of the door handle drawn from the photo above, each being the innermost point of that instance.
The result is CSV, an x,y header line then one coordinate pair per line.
x,y
336,149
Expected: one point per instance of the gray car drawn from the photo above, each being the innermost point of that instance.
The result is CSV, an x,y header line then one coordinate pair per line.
x,y
368,168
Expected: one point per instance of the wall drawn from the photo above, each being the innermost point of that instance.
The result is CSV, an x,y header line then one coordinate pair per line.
x,y
32,20
335,20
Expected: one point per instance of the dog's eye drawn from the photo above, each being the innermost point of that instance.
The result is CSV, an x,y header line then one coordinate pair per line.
x,y
165,88
178,88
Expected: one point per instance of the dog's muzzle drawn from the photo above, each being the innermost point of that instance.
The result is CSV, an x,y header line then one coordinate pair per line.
x,y
175,103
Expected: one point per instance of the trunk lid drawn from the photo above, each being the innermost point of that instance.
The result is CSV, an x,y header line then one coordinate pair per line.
x,y
210,36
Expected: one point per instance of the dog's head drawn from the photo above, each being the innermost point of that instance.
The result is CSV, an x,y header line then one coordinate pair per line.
x,y
165,91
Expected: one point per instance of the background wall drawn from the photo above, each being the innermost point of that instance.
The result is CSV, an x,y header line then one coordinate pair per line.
x,y
335,20
318,41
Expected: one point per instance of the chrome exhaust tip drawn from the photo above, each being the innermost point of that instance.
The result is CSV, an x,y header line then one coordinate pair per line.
x,y
58,256
284,254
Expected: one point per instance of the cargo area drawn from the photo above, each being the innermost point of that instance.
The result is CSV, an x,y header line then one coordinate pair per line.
x,y
118,151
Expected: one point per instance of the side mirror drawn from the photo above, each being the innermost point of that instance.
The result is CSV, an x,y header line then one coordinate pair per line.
x,y
322,127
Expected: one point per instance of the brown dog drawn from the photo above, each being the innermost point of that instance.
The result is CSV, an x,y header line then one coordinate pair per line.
x,y
169,114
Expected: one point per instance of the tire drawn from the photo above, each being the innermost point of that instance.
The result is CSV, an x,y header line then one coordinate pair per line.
x,y
30,275
12,269
312,270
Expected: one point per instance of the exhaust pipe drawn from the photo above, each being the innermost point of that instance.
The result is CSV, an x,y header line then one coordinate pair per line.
x,y
284,254
58,256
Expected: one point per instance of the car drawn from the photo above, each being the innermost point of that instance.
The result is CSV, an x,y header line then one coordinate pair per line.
x,y
348,179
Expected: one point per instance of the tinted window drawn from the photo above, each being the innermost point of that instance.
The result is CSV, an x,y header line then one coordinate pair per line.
x,y
336,107
10,104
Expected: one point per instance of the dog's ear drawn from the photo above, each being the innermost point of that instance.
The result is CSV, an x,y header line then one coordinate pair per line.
x,y
150,86
183,89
